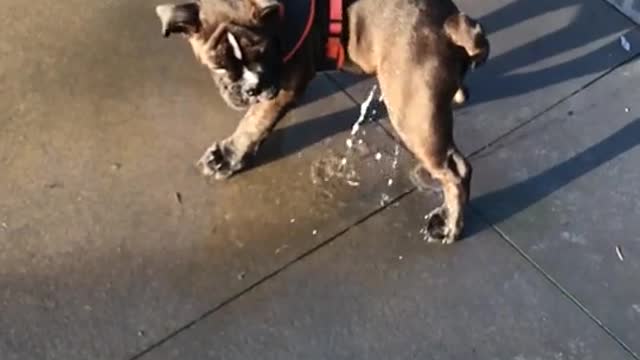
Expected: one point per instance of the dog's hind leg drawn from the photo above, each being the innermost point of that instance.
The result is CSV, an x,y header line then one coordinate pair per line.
x,y
424,122
444,162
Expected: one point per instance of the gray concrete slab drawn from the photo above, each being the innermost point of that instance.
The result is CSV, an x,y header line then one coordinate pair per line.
x,y
565,190
542,51
630,8
381,292
109,239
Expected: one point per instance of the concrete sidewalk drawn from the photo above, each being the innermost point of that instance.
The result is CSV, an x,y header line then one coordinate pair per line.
x,y
630,8
112,247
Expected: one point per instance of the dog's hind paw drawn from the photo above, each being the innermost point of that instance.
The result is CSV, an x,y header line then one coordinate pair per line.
x,y
438,229
219,161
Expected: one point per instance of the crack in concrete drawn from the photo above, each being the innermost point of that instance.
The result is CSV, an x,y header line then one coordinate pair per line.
x,y
395,200
268,276
565,292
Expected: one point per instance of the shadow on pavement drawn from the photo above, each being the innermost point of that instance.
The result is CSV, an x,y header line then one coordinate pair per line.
x,y
499,70
294,138
511,200
506,73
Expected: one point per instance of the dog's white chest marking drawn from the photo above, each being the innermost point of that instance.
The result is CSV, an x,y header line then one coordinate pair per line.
x,y
249,78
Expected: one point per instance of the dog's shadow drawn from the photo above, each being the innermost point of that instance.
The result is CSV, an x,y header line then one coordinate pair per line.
x,y
511,74
294,138
500,205
501,71
290,139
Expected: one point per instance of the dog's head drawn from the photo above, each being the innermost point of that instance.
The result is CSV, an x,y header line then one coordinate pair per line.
x,y
243,64
235,40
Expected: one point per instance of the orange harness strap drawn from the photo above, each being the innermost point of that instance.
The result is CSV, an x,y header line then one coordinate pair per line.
x,y
335,50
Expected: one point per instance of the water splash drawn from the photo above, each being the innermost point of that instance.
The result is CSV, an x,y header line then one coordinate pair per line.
x,y
396,155
363,111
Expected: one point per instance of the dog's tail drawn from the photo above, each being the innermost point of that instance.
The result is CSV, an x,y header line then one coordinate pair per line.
x,y
469,34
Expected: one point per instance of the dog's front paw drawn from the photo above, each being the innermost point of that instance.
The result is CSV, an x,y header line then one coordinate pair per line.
x,y
438,228
220,161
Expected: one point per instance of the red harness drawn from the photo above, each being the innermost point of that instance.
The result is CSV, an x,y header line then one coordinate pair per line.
x,y
334,48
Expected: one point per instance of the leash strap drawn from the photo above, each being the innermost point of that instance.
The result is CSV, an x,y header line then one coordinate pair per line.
x,y
305,32
334,48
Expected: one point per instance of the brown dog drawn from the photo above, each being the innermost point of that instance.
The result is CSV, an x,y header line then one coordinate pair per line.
x,y
262,54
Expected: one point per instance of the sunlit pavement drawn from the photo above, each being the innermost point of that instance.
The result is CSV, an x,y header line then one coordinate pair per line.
x,y
112,246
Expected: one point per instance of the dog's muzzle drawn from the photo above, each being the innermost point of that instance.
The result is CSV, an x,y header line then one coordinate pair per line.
x,y
240,97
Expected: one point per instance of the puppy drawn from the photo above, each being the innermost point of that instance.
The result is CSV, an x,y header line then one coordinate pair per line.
x,y
262,54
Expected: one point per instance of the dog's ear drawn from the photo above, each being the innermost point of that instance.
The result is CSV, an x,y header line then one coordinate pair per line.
x,y
265,11
182,18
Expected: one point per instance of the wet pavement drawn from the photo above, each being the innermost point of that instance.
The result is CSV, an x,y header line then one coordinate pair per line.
x,y
113,247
